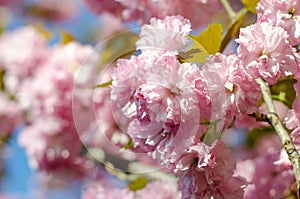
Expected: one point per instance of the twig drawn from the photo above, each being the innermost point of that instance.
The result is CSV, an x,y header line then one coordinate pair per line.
x,y
260,117
228,9
280,130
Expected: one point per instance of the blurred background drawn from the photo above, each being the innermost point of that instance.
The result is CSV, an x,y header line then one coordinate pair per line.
x,y
56,19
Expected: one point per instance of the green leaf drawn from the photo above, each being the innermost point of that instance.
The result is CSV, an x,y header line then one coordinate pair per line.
x,y
210,38
104,85
234,28
212,133
206,43
253,136
284,91
118,46
250,5
196,54
66,38
1,27
138,183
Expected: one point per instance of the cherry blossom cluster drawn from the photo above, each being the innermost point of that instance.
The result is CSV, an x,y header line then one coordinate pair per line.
x,y
47,90
38,84
158,106
168,103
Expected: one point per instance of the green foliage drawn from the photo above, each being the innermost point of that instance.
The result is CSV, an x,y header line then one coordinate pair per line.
x,y
250,5
213,133
119,46
284,91
1,27
4,140
206,43
104,85
66,38
138,183
210,38
256,134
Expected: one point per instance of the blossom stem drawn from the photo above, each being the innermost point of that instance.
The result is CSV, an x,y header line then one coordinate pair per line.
x,y
231,13
280,130
234,26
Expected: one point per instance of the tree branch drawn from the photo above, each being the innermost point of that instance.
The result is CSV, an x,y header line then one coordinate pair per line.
x,y
228,9
280,130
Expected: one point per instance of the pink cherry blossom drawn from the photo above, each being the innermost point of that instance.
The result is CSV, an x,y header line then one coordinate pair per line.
x,y
296,103
212,11
282,13
206,172
231,93
52,147
161,189
158,97
101,6
292,119
52,103
267,179
169,34
266,52
292,122
108,132
266,167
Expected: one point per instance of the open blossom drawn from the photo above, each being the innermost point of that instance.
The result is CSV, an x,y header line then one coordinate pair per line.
x,y
157,96
266,52
206,172
292,122
282,13
169,34
292,119
231,93
296,103
108,132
